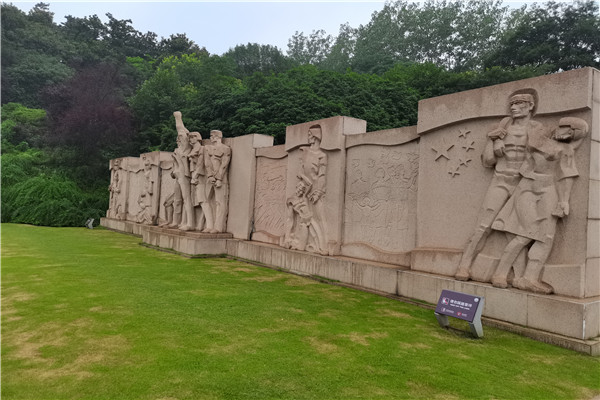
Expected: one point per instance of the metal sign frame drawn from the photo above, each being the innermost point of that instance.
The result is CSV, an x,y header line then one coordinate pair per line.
x,y
462,306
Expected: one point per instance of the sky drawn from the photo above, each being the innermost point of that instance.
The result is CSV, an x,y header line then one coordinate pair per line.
x,y
219,26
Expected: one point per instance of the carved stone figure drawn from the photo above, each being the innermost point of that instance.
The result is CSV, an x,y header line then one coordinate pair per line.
x,y
168,205
115,208
217,158
300,224
505,151
183,209
198,181
314,168
540,199
145,215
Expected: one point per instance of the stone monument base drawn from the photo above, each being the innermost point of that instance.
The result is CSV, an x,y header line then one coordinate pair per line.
x,y
560,320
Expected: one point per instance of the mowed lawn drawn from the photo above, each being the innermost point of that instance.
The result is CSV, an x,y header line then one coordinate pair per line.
x,y
91,314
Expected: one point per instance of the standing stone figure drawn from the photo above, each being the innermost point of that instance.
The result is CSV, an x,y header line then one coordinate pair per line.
x,y
217,158
114,189
505,150
198,170
540,199
314,168
145,215
183,209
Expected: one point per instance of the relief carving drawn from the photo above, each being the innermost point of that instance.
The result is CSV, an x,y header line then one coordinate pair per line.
x,y
305,223
183,208
199,200
457,162
540,199
146,215
534,169
269,213
217,158
116,209
378,196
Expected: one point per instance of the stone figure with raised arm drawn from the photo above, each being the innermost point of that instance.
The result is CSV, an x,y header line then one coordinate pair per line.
x,y
540,199
505,151
217,157
314,168
198,170
183,209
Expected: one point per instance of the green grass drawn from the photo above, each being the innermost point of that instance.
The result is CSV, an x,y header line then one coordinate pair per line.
x,y
90,314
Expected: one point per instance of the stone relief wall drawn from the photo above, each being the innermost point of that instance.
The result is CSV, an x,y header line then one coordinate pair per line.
x,y
269,202
494,185
516,213
381,199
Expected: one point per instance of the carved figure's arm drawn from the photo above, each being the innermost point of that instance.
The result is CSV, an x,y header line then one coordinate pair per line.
x,y
320,184
289,224
225,160
181,129
563,189
488,158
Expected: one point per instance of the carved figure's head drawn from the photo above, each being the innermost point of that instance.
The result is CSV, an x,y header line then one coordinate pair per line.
x,y
570,130
216,136
116,163
195,137
523,103
146,160
303,185
314,133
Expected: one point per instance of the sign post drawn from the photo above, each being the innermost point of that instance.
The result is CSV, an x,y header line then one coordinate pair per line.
x,y
462,306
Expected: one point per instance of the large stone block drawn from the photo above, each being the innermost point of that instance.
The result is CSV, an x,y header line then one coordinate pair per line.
x,y
242,181
592,277
572,318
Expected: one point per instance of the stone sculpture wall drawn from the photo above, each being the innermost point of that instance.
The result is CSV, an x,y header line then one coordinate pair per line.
x,y
498,185
454,132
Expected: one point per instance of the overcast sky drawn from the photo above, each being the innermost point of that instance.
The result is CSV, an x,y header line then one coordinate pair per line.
x,y
219,26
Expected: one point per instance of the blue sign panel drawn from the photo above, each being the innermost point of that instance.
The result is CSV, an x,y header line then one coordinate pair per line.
x,y
458,305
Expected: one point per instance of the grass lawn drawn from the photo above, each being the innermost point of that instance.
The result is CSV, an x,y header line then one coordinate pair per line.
x,y
90,314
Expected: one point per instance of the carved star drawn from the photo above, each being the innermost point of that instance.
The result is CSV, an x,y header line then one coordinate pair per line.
x,y
469,146
464,162
442,151
463,133
454,171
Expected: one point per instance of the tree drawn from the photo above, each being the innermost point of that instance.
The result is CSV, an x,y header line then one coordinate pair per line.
x,y
90,122
32,54
561,35
253,57
341,53
451,34
311,49
178,45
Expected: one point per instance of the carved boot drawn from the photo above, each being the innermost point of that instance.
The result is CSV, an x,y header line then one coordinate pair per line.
x,y
209,225
531,279
176,220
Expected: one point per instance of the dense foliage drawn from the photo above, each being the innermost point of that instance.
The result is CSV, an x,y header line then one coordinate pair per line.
x,y
79,93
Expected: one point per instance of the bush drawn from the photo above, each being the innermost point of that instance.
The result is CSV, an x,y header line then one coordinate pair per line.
x,y
51,200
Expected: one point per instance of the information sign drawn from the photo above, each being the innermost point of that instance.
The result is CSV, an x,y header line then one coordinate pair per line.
x,y
462,306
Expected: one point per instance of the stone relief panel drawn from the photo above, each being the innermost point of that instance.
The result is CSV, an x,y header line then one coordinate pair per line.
x,y
269,201
118,190
380,202
148,196
306,223
512,177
